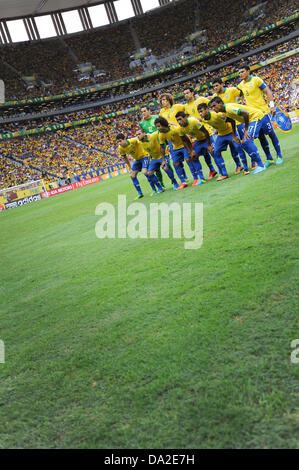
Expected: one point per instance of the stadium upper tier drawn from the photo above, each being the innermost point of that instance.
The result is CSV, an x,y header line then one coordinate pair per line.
x,y
80,151
42,67
280,38
147,96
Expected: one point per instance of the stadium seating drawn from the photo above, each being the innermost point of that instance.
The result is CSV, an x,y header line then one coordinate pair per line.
x,y
110,48
82,150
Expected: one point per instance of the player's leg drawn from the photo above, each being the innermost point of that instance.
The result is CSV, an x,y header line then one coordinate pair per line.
x,y
208,159
264,142
154,165
178,159
168,159
192,166
240,148
234,153
252,150
136,167
200,148
221,144
268,129
181,163
159,176
169,171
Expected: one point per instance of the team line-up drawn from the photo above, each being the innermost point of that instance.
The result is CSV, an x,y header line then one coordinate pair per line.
x,y
203,127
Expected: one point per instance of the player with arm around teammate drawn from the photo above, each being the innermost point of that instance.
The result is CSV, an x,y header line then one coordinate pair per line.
x,y
224,137
231,95
256,94
168,111
190,126
170,133
191,109
134,148
249,124
151,145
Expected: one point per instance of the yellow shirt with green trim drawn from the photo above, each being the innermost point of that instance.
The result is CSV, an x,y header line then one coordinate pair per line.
x,y
253,93
152,145
169,113
233,111
172,136
191,109
229,94
134,148
193,128
218,122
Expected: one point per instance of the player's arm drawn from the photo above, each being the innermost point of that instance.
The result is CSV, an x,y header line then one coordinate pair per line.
x,y
233,123
207,135
240,96
126,160
237,94
187,143
162,151
269,95
245,115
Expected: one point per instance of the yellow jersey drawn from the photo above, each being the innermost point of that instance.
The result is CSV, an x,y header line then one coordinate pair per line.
x,y
253,93
152,145
169,113
191,106
173,136
233,111
229,94
193,128
134,148
218,121
191,109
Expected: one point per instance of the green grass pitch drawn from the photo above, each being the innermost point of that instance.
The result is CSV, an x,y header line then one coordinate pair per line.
x,y
141,343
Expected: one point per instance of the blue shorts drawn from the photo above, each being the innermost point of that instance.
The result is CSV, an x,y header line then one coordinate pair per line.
x,y
183,150
223,141
179,155
155,164
253,129
200,147
139,164
266,125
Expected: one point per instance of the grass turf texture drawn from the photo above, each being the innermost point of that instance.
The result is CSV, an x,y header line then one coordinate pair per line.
x,y
142,344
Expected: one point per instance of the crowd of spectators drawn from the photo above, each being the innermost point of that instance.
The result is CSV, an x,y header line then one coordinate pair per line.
x,y
292,64
82,150
13,173
62,155
109,48
132,88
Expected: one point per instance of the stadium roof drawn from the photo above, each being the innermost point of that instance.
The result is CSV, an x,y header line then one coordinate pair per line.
x,y
20,8
24,20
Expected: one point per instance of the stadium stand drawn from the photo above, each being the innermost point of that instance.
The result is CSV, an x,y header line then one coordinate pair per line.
x,y
79,152
55,59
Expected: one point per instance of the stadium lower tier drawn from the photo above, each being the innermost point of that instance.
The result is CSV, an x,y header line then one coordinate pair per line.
x,y
82,151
